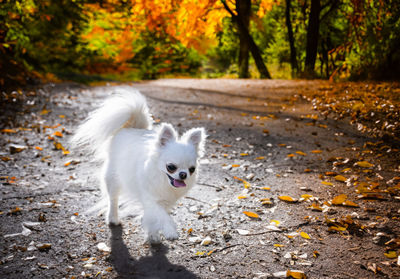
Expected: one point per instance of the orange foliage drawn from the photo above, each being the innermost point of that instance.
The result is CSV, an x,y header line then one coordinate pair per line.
x,y
195,23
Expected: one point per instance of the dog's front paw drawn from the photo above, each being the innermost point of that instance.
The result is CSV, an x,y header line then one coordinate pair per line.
x,y
170,234
153,239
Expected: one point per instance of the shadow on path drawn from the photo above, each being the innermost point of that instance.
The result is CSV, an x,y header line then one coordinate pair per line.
x,y
156,265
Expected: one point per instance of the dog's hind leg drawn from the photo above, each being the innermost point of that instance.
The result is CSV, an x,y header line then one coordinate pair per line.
x,y
113,188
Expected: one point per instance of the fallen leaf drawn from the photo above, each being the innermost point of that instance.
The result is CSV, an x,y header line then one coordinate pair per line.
x,y
316,207
58,134
327,183
364,164
244,154
306,196
279,245
301,153
316,151
8,131
351,204
14,148
266,201
235,165
274,222
260,158
339,200
391,254
296,274
287,199
242,197
340,178
251,214
265,188
39,148
44,112
305,235
291,155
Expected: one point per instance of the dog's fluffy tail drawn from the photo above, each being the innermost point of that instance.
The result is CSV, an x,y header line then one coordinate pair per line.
x,y
125,109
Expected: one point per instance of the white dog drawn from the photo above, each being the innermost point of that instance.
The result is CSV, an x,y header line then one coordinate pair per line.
x,y
152,166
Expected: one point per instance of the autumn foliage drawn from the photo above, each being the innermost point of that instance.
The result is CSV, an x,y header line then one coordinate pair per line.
x,y
154,38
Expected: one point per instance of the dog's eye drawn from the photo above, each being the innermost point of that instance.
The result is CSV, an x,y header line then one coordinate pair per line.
x,y
192,169
171,168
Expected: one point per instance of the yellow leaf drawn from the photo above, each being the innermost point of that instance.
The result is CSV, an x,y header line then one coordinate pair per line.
x,y
200,253
306,196
38,148
340,178
346,170
65,152
265,131
244,154
61,116
209,253
339,200
390,254
279,245
265,188
307,170
244,114
337,228
275,222
364,164
291,155
226,145
260,158
266,201
296,274
316,207
235,165
242,197
351,204
287,199
58,146
301,153
9,131
58,134
316,151
44,112
305,235
251,214
327,183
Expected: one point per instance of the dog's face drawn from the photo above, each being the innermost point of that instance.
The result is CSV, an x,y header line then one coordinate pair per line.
x,y
178,158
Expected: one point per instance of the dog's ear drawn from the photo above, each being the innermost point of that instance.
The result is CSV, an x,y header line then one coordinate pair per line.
x,y
166,134
196,136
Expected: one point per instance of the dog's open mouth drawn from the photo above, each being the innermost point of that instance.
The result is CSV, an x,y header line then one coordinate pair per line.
x,y
176,182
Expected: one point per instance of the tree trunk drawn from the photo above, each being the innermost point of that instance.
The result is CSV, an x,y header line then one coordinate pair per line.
x,y
312,37
262,69
293,56
243,8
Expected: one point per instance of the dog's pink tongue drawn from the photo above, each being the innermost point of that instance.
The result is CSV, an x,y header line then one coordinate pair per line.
x,y
179,183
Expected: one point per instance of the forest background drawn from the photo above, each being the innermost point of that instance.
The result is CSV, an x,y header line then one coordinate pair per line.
x,y
86,40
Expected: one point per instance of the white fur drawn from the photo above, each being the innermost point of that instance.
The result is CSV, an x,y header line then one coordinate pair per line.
x,y
135,159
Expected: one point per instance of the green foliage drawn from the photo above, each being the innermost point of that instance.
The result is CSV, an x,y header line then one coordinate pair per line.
x,y
44,35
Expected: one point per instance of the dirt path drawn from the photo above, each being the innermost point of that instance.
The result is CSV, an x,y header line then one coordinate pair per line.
x,y
262,135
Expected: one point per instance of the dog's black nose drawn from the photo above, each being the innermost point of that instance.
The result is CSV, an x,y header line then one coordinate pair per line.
x,y
182,175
